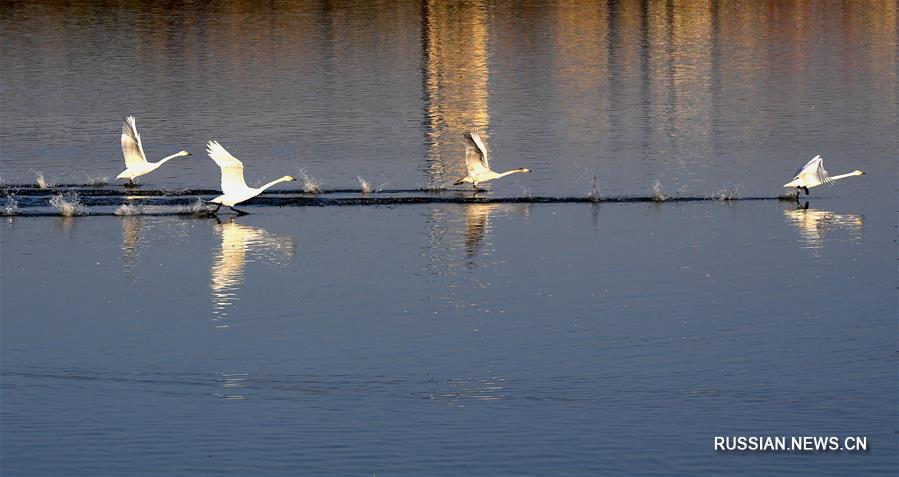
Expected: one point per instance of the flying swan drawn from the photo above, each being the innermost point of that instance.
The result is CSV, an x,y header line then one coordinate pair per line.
x,y
234,188
476,162
136,163
812,174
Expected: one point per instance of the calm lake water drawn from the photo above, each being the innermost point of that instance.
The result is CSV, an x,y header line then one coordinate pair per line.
x,y
448,337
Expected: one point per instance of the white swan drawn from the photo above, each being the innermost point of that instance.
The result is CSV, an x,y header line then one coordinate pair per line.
x,y
234,188
136,163
812,174
476,162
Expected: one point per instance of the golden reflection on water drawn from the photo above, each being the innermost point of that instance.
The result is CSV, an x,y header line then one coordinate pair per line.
x,y
814,225
462,236
456,76
581,44
242,244
66,225
652,79
477,224
138,233
131,232
460,241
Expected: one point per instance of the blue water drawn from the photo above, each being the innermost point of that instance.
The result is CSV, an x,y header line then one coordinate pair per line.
x,y
507,337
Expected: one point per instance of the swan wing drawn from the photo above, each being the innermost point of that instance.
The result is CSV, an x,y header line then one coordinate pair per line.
x,y
821,174
232,168
813,172
131,146
808,166
475,153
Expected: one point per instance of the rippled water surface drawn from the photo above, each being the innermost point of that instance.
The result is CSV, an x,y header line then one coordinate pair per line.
x,y
565,322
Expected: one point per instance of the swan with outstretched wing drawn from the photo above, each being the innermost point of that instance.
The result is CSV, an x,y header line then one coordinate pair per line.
x,y
234,188
136,163
477,164
813,174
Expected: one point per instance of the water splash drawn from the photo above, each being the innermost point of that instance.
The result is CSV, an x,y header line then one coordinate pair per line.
x,y
12,204
311,185
432,185
68,205
728,192
364,186
42,181
589,176
129,209
367,188
197,208
594,188
97,181
657,194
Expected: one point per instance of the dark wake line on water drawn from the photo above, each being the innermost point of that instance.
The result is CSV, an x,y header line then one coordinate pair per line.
x,y
363,201
276,197
196,208
29,190
173,213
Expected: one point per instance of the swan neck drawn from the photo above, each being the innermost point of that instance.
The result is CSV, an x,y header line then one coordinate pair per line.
x,y
276,181
166,159
513,171
843,176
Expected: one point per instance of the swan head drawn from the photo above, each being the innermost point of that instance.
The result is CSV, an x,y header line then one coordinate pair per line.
x,y
523,169
288,178
858,172
183,153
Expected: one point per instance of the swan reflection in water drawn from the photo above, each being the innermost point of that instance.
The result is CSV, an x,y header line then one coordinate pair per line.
x,y
814,225
477,227
131,232
460,238
242,244
139,231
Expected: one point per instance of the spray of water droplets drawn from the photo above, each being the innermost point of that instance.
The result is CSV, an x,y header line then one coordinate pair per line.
x,y
657,194
68,205
311,185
